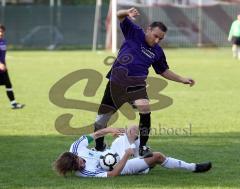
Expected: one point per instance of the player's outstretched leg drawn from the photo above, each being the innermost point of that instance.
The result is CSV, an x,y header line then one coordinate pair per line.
x,y
172,163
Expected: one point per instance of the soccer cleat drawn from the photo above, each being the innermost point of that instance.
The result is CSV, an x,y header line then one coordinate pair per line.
x,y
17,106
203,167
145,152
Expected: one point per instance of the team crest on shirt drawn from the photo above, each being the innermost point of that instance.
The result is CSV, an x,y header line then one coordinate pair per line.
x,y
147,52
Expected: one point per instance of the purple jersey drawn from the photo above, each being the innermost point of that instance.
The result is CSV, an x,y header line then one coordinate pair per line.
x,y
136,56
3,48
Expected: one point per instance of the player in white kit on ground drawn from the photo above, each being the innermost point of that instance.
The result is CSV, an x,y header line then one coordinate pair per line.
x,y
85,162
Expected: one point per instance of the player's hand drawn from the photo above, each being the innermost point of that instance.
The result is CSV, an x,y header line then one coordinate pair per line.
x,y
129,152
133,12
2,67
188,81
117,131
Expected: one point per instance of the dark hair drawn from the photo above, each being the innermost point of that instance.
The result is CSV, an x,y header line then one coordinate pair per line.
x,y
66,162
2,27
160,25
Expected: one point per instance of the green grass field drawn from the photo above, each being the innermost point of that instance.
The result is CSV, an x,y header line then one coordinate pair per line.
x,y
29,142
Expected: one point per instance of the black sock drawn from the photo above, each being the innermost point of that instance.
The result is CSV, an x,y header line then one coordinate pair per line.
x,y
99,141
144,127
10,95
99,144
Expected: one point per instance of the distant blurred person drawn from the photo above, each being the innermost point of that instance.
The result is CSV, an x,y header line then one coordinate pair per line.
x,y
234,37
4,77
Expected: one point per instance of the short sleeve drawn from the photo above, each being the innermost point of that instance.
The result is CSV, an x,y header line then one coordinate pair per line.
x,y
89,138
129,29
82,142
160,65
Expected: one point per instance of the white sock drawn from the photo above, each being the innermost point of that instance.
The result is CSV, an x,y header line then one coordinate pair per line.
x,y
13,102
238,52
235,51
172,163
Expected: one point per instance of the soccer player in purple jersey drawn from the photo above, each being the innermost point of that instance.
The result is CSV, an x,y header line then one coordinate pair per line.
x,y
138,53
4,77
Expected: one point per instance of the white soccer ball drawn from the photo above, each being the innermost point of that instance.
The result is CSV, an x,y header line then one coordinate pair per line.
x,y
108,160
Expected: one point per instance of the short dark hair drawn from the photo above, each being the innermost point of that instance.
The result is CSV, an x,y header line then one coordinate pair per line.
x,y
160,25
2,27
66,162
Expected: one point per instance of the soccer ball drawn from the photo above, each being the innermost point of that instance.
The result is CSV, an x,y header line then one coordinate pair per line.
x,y
108,160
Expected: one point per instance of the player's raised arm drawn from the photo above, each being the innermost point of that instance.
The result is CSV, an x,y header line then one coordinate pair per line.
x,y
119,167
132,12
108,130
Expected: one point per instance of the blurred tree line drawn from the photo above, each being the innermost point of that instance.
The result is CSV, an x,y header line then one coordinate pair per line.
x,y
64,2
73,2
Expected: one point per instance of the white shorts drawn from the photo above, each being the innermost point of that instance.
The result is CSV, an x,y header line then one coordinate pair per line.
x,y
120,144
135,166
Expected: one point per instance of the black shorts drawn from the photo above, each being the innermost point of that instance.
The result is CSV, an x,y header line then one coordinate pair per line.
x,y
5,80
236,40
115,96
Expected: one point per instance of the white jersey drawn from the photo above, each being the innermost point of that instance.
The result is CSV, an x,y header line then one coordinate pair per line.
x,y
92,166
92,158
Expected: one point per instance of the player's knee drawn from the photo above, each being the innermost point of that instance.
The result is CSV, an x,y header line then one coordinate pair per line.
x,y
102,120
142,105
159,157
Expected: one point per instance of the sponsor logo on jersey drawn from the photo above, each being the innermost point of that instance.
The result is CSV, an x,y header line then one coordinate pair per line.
x,y
147,52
